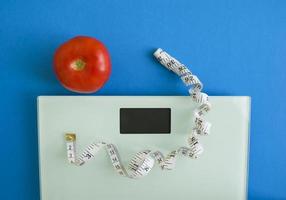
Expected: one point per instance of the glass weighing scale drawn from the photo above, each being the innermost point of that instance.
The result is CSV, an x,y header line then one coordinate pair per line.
x,y
219,173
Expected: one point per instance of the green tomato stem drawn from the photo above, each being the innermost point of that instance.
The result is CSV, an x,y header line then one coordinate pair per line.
x,y
78,64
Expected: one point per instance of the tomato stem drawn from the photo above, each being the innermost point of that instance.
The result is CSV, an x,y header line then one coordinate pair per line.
x,y
78,64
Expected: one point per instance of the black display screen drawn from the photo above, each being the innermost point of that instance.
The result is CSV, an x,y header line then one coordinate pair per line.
x,y
145,120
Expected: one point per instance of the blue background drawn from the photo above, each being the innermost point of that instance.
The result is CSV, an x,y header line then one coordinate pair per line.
x,y
235,47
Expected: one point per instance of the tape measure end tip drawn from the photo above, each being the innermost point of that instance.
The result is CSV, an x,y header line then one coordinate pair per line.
x,y
70,137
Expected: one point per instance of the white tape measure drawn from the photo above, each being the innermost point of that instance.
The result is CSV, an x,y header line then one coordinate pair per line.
x,y
143,161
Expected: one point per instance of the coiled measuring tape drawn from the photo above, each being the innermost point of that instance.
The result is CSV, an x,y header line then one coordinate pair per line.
x,y
143,161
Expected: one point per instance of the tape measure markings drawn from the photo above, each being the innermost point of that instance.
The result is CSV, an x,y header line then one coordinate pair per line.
x,y
142,163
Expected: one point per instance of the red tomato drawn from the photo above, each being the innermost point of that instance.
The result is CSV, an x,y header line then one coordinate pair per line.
x,y
82,64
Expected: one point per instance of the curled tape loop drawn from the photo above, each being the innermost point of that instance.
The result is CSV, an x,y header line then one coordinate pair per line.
x,y
143,162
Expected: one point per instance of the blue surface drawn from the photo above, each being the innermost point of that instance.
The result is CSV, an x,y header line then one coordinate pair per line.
x,y
236,48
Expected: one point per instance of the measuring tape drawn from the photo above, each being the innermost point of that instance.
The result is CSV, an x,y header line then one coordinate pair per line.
x,y
143,161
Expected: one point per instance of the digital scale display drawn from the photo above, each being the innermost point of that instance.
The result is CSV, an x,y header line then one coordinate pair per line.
x,y
145,120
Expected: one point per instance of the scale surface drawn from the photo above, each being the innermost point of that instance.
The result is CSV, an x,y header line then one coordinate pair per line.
x,y
220,173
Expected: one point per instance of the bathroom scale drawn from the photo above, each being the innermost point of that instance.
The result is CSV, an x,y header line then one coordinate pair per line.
x,y
136,123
